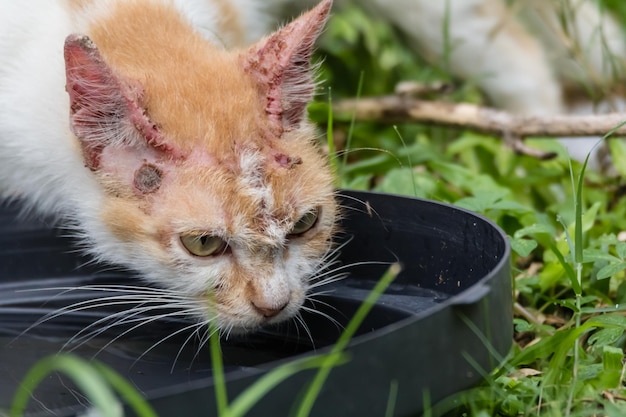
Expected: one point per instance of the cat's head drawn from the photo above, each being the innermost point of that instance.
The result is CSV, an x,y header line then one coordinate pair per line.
x,y
211,183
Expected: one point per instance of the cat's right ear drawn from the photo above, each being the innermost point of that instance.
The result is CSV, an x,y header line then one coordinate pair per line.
x,y
104,109
280,66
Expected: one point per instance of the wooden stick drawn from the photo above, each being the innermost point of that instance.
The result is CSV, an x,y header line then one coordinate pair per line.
x,y
404,109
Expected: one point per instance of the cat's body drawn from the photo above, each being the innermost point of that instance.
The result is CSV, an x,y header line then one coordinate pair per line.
x,y
170,152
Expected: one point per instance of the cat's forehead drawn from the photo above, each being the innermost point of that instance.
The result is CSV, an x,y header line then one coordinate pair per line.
x,y
193,92
206,109
256,192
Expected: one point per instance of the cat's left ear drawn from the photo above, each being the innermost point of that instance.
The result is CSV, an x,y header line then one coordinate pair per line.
x,y
106,110
281,67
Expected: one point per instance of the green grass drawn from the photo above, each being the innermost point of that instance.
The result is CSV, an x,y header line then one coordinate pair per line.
x,y
96,381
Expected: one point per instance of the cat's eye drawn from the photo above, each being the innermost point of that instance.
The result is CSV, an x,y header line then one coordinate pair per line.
x,y
305,223
203,245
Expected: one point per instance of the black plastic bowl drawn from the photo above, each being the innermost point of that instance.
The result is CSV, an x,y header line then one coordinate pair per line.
x,y
444,322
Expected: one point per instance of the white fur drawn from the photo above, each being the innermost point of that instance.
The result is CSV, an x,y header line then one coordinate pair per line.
x,y
37,157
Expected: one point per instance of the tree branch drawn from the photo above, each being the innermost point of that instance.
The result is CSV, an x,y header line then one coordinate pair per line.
x,y
404,109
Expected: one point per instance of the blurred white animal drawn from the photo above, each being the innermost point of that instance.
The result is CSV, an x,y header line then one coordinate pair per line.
x,y
527,56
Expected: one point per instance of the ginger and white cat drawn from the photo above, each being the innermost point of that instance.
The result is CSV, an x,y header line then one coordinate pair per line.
x,y
172,146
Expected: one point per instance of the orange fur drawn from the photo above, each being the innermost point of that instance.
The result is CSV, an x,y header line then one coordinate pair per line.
x,y
184,76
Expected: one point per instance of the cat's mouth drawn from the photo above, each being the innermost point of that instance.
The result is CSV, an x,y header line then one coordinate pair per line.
x,y
244,317
243,326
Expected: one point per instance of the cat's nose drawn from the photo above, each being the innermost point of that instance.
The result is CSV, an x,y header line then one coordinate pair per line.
x,y
268,310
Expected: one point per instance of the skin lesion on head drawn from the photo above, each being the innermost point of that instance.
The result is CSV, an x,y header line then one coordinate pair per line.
x,y
287,161
148,178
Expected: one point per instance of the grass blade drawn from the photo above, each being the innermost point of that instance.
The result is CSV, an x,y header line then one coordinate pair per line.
x,y
352,121
332,359
133,398
244,402
217,365
85,376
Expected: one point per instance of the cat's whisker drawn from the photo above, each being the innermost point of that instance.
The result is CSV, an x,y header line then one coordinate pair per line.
x,y
225,332
169,336
118,318
363,263
334,251
142,322
327,262
367,207
105,288
195,333
204,339
327,280
106,302
315,300
80,398
129,296
144,300
318,293
326,265
74,308
331,256
126,317
317,282
325,315
298,320
295,320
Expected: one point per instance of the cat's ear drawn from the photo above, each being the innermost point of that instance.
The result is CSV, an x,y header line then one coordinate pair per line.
x,y
104,109
280,65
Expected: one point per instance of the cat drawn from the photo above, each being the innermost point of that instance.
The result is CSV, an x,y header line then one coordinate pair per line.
x,y
173,144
